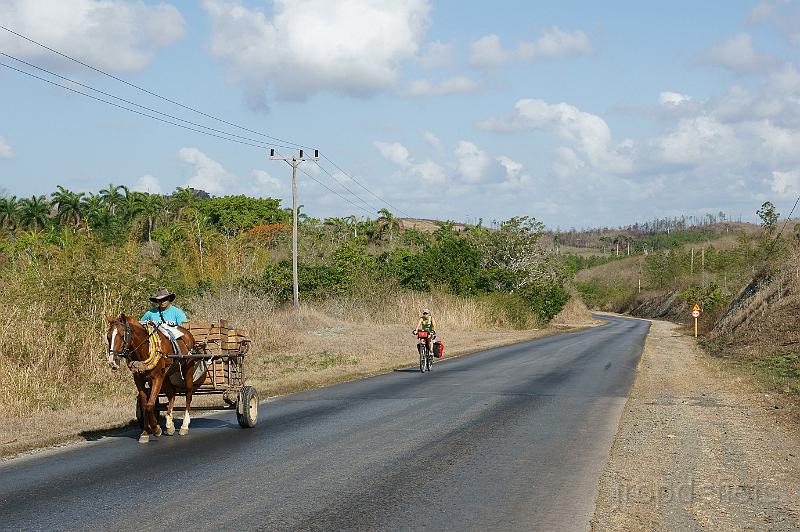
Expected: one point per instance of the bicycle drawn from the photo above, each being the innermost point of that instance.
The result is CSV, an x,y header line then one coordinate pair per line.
x,y
425,355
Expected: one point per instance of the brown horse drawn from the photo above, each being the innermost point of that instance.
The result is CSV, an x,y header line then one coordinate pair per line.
x,y
129,339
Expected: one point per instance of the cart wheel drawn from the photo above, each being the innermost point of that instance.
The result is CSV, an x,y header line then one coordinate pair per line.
x,y
247,407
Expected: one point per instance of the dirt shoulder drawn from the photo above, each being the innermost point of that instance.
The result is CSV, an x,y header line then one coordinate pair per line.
x,y
323,355
698,448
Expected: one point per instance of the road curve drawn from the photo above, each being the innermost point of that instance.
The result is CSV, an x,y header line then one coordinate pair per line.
x,y
513,438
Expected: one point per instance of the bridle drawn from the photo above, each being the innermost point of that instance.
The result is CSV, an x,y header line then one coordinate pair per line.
x,y
127,350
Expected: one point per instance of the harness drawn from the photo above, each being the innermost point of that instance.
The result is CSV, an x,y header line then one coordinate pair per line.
x,y
154,356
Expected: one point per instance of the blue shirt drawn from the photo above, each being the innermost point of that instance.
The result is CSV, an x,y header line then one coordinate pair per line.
x,y
172,316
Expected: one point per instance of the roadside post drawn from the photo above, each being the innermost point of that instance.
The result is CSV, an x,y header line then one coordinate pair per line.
x,y
695,315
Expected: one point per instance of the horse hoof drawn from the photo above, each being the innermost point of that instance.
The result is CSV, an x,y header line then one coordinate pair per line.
x,y
184,432
144,438
158,431
170,432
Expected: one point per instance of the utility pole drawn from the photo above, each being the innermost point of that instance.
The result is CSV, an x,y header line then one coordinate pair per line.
x,y
294,162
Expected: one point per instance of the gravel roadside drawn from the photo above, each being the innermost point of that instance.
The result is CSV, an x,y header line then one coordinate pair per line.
x,y
698,448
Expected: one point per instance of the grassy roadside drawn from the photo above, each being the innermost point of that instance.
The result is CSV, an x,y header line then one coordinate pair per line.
x,y
323,345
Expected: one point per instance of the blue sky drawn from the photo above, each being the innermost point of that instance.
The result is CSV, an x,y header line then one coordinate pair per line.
x,y
577,113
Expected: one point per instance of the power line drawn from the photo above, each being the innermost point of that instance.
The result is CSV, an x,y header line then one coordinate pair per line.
x,y
397,209
99,71
341,183
348,200
787,220
202,113
138,105
260,146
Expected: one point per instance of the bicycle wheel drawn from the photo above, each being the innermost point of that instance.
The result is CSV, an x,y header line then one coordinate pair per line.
x,y
429,361
422,358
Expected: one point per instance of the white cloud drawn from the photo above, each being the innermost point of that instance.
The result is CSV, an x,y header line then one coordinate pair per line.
x,y
473,163
454,85
556,43
786,183
429,172
6,151
783,15
488,51
761,13
697,140
354,47
433,140
265,185
209,175
116,35
673,99
590,132
513,168
438,55
737,54
394,152
148,184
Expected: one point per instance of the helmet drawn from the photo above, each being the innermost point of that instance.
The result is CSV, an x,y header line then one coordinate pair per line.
x,y
425,311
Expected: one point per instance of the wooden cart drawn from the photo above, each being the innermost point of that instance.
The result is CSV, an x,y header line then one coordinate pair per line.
x,y
220,350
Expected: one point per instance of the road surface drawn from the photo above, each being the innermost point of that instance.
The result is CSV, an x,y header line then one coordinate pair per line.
x,y
511,438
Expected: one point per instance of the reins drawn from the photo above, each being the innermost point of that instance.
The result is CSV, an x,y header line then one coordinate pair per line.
x,y
126,340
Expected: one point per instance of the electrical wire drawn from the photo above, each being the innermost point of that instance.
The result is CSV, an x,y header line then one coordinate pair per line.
x,y
397,209
151,93
304,171
202,113
138,105
260,146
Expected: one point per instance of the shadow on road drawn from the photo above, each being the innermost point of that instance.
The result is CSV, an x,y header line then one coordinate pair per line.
x,y
132,430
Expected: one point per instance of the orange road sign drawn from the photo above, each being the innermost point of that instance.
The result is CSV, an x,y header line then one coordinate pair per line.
x,y
696,308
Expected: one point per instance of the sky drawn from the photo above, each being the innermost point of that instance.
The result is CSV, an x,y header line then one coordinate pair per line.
x,y
580,114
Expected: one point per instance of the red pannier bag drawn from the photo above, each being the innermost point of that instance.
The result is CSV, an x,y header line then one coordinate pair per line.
x,y
438,349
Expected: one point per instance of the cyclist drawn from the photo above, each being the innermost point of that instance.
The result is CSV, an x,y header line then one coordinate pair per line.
x,y
428,324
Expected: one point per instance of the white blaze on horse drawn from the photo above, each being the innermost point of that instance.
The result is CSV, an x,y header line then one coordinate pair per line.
x,y
147,352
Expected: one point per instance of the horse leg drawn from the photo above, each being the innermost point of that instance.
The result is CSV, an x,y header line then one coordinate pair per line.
x,y
188,379
155,389
169,389
144,437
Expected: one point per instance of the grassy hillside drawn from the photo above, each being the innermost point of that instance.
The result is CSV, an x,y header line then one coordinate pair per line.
x,y
746,281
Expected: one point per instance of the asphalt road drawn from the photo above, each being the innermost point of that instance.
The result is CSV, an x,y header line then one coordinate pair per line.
x,y
511,438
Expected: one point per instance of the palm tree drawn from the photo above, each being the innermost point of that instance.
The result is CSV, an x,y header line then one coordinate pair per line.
x,y
132,204
34,212
182,198
69,205
95,211
388,223
9,212
151,206
352,220
111,196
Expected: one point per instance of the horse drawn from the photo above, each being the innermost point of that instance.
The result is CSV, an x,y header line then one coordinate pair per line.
x,y
129,339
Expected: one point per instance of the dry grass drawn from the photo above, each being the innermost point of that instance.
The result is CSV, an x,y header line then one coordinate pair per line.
x,y
575,313
59,376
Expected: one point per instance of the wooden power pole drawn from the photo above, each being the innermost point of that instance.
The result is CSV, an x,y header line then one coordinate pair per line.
x,y
294,162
